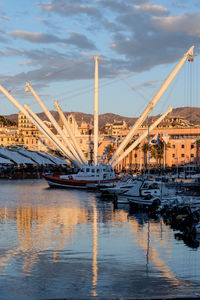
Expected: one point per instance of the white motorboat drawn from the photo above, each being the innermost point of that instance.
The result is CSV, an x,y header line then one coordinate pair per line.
x,y
119,188
147,193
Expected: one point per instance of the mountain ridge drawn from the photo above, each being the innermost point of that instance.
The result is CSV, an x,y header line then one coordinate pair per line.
x,y
192,114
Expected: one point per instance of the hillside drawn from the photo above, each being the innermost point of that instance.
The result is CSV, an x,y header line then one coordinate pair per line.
x,y
190,113
7,121
103,119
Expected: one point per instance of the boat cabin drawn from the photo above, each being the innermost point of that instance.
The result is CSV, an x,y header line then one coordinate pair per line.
x,y
99,172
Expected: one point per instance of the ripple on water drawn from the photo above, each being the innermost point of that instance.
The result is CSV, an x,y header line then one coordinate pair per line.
x,y
59,243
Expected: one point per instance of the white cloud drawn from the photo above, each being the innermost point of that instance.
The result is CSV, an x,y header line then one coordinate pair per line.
x,y
75,39
151,8
37,37
68,8
187,23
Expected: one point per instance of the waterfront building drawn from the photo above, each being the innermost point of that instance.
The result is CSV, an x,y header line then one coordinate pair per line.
x,y
182,148
183,145
116,128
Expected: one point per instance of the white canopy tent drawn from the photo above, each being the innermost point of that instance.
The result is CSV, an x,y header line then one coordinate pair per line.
x,y
35,157
15,157
56,160
22,156
5,161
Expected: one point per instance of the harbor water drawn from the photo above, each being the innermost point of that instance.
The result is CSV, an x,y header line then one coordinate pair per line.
x,y
61,244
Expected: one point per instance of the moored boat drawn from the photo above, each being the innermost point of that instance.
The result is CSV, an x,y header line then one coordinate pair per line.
x,y
145,202
87,177
144,194
122,186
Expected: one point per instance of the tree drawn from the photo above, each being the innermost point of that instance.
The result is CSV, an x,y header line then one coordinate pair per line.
x,y
109,151
157,151
145,148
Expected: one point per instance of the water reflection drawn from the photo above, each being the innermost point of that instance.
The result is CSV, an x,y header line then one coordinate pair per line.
x,y
142,226
95,249
58,243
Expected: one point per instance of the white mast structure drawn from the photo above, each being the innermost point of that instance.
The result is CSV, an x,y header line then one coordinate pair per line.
x,y
69,131
141,138
151,105
96,103
52,136
73,154
41,126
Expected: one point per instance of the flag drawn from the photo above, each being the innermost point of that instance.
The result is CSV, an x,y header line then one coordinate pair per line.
x,y
165,137
155,140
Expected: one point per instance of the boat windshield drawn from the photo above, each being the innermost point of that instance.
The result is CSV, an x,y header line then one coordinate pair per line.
x,y
153,186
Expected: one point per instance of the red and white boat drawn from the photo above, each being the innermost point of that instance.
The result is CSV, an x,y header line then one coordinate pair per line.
x,y
87,177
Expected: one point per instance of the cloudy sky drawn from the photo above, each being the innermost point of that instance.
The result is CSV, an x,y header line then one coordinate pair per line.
x,y
52,43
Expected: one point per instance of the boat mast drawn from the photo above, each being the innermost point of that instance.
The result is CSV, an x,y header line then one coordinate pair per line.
x,y
151,105
96,111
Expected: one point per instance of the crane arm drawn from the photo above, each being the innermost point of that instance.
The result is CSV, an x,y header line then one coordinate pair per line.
x,y
73,154
142,137
151,105
69,131
52,136
44,129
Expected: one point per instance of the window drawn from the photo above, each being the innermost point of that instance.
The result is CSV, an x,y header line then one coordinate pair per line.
x,y
182,146
182,155
173,155
192,146
174,146
192,155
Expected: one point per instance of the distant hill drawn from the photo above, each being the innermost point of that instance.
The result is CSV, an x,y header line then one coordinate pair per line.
x,y
192,114
7,121
103,119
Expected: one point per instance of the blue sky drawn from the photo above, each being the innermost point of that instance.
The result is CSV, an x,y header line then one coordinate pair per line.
x,y
52,44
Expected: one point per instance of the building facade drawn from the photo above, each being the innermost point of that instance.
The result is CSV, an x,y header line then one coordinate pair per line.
x,y
182,147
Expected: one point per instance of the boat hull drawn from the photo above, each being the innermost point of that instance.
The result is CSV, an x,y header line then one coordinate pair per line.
x,y
144,202
56,181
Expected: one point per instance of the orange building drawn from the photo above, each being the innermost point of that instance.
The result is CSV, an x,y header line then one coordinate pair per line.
x,y
183,147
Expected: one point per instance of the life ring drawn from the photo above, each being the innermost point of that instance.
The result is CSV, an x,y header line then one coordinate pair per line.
x,y
70,177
